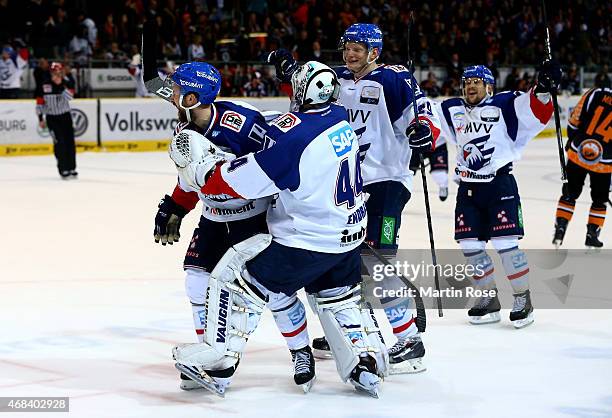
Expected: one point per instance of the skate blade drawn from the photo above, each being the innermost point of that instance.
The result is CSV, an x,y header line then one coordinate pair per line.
x,y
557,243
373,392
308,385
190,385
322,354
489,318
592,250
411,366
202,379
522,323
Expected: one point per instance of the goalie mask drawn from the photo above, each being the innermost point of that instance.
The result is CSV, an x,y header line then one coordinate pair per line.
x,y
314,85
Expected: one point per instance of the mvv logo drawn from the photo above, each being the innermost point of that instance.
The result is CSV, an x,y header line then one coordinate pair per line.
x,y
476,127
362,115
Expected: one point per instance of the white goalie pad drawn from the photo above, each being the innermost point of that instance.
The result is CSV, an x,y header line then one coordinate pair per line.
x,y
233,310
348,342
194,156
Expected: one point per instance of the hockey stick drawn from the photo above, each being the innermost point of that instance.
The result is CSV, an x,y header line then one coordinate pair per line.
x,y
421,318
434,259
553,94
153,82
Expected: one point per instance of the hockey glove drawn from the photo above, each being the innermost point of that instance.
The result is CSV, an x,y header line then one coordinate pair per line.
x,y
549,77
284,63
420,136
168,221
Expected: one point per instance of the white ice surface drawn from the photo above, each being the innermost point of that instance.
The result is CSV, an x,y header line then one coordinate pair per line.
x,y
90,308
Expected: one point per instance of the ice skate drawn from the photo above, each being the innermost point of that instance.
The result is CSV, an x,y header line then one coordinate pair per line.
x,y
364,377
406,356
560,228
188,384
303,368
522,310
592,237
485,311
216,385
443,193
321,349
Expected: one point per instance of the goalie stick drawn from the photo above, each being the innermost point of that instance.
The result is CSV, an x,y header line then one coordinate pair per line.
x,y
153,82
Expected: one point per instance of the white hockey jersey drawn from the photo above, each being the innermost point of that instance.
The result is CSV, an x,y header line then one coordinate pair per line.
x,y
492,134
12,68
380,108
235,127
314,169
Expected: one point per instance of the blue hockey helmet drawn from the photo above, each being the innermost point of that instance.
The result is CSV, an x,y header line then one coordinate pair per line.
x,y
478,71
365,33
200,78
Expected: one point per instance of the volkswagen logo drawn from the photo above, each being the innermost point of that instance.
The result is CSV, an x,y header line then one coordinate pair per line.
x,y
79,122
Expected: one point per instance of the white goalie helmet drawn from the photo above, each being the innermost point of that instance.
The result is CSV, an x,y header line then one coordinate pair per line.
x,y
314,84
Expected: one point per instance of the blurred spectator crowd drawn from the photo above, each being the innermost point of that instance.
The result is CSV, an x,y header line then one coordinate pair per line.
x,y
445,33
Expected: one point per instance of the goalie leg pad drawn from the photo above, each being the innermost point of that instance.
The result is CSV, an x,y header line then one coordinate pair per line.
x,y
235,304
350,331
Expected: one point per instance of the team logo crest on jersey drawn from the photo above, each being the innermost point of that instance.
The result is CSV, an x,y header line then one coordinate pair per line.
x,y
342,140
459,121
489,114
590,151
475,155
232,120
286,122
370,95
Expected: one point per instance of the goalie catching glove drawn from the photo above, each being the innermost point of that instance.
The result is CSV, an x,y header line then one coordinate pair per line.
x,y
195,157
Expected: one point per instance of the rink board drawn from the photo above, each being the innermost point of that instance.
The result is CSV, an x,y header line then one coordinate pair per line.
x,y
130,124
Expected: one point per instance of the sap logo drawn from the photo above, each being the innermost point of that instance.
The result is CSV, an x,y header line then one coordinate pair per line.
x,y
476,127
342,140
233,121
286,122
395,314
202,317
191,84
354,114
222,319
296,314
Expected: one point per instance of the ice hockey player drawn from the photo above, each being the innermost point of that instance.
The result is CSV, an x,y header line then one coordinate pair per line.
x,y
313,169
589,151
237,128
378,99
490,131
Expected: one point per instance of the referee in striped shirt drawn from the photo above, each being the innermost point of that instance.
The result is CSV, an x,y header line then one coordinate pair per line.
x,y
54,90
